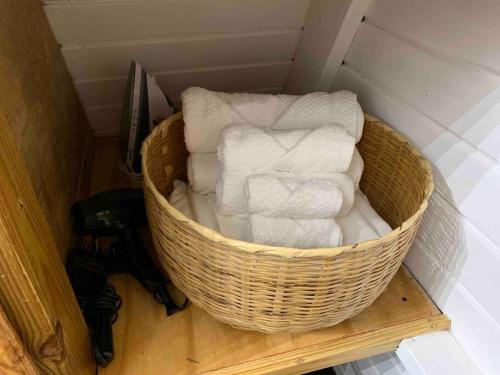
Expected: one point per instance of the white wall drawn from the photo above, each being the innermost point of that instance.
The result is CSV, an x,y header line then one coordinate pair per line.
x,y
435,353
229,45
382,364
328,31
431,69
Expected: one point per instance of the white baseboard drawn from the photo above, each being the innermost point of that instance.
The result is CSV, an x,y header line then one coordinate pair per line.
x,y
435,354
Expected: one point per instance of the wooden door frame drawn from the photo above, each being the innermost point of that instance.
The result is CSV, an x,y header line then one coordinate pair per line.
x,y
35,292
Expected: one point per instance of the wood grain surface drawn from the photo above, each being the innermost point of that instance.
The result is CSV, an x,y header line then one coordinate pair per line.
x,y
14,359
38,102
34,290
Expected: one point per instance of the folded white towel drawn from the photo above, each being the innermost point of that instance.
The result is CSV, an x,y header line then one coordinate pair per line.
x,y
206,113
300,233
355,228
362,203
231,194
274,196
327,149
203,172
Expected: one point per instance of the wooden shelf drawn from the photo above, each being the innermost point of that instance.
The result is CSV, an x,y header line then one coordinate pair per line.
x,y
192,342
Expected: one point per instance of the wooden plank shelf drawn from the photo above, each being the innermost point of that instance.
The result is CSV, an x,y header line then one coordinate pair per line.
x,y
192,342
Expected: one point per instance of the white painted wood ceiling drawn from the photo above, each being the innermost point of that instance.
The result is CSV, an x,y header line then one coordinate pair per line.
x,y
230,45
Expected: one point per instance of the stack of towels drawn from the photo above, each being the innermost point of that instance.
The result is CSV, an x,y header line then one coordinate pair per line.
x,y
278,170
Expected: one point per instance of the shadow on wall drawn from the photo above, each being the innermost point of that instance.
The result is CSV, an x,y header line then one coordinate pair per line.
x,y
466,176
471,176
438,251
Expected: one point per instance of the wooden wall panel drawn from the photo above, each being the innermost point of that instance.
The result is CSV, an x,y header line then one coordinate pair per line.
x,y
35,291
92,22
39,104
43,136
14,358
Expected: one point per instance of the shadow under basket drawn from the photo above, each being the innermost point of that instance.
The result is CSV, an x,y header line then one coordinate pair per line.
x,y
273,289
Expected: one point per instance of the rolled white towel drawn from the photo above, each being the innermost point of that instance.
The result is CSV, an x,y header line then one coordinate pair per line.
x,y
231,194
356,168
203,172
355,228
328,149
275,196
206,113
320,108
300,233
362,203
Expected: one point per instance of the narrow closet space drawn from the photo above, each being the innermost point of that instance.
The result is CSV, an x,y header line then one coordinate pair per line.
x,y
249,187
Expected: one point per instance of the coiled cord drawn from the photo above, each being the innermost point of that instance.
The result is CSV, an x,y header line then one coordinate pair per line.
x,y
106,300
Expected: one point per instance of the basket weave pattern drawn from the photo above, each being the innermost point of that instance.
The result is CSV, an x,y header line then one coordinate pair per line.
x,y
272,289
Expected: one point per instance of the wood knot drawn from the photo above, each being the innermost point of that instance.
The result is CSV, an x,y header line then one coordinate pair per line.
x,y
53,346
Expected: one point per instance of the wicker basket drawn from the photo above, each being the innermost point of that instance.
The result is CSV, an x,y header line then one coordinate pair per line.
x,y
273,289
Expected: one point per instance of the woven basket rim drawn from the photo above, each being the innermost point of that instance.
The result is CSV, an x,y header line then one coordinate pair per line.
x,y
287,252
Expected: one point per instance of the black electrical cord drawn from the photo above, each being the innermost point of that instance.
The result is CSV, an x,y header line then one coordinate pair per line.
x,y
101,312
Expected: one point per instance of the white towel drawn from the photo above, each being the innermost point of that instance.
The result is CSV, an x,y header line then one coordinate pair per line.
x,y
355,170
201,208
180,200
203,172
362,203
274,196
327,149
231,194
355,228
206,113
321,108
235,226
299,233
